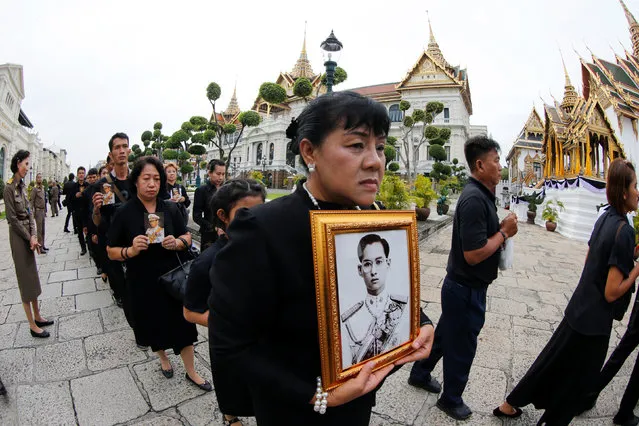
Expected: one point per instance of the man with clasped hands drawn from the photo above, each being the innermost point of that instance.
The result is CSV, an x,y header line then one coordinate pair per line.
x,y
477,241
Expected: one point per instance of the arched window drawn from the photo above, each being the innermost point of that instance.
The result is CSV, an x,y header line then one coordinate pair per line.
x,y
2,163
395,114
271,153
290,157
258,154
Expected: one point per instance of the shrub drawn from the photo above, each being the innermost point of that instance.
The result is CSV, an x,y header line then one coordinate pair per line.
x,y
394,192
423,192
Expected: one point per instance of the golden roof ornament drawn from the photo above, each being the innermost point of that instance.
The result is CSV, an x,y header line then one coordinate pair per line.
x,y
233,107
570,94
433,48
302,67
634,29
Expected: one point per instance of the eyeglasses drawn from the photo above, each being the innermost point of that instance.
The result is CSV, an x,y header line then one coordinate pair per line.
x,y
367,265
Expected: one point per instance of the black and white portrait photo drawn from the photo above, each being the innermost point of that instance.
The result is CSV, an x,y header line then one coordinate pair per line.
x,y
373,287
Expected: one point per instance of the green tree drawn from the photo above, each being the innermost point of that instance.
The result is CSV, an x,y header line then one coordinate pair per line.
x,y
504,173
302,87
225,136
273,94
417,130
339,77
155,139
393,192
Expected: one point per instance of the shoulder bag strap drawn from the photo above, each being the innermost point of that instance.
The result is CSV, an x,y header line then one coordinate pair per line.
x,y
115,188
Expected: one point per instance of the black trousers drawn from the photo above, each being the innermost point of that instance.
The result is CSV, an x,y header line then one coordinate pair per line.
x,y
77,226
66,221
463,316
627,344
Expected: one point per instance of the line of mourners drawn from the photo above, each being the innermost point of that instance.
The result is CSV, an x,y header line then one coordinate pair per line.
x,y
253,283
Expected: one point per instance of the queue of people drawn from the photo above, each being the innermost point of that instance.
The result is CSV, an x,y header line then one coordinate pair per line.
x,y
253,284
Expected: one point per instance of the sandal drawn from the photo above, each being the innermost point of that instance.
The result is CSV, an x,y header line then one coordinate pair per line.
x,y
229,422
498,413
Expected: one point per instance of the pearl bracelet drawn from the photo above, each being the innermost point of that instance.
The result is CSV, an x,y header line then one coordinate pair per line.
x,y
321,398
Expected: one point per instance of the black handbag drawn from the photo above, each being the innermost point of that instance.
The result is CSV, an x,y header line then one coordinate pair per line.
x,y
174,281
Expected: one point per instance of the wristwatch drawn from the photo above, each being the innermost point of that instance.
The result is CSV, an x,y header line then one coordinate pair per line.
x,y
503,234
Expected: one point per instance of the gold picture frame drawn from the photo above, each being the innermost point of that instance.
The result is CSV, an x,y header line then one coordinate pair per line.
x,y
338,237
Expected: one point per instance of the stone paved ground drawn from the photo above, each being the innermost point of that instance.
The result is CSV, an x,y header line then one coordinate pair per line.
x,y
91,373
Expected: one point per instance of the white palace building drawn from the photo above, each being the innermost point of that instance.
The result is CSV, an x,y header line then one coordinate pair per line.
x,y
16,132
431,78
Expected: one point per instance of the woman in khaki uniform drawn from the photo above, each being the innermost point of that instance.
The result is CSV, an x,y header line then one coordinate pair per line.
x,y
23,241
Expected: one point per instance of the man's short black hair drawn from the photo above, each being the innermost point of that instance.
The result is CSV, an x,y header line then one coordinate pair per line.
x,y
81,168
476,147
71,176
92,171
369,239
119,135
215,162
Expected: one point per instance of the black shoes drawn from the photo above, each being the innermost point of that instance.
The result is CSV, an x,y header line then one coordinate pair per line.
x,y
632,421
206,386
498,413
167,373
459,412
83,252
67,231
431,385
42,334
3,390
43,323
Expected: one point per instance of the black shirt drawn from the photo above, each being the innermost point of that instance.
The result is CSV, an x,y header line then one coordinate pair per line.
x,y
198,285
80,206
68,193
202,213
475,221
107,212
263,313
611,244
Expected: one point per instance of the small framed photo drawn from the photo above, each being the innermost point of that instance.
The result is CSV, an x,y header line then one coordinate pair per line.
x,y
154,225
367,289
109,195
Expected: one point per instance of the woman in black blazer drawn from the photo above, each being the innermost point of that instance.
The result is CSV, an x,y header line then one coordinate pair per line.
x,y
263,316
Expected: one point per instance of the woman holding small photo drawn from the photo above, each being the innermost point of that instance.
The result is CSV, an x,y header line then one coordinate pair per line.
x,y
158,318
176,192
263,314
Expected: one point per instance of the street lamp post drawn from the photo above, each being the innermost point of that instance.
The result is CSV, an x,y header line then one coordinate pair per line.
x,y
331,48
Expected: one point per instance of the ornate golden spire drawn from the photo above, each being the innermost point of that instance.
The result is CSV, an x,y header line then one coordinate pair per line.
x,y
302,67
233,107
634,29
433,48
570,94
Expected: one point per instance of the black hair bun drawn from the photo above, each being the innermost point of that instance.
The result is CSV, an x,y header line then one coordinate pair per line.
x,y
291,130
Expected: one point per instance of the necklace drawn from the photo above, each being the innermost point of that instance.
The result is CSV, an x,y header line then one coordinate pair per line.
x,y
314,201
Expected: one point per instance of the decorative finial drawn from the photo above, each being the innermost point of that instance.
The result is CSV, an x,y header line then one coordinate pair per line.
x,y
631,19
304,45
430,27
302,67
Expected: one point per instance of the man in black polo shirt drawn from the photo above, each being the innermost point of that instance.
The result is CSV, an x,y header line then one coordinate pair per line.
x,y
68,193
79,207
202,213
478,237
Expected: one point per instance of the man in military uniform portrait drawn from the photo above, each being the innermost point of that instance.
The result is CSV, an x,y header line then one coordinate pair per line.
x,y
380,322
155,231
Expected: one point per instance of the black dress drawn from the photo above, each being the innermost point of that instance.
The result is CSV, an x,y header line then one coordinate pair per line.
x,y
159,320
567,368
263,315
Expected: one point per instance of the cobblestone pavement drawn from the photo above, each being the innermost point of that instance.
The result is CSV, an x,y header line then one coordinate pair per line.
x,y
90,371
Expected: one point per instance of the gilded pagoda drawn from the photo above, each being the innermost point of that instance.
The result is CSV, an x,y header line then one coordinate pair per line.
x,y
584,133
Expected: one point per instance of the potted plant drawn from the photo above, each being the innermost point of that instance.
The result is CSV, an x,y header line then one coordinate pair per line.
x,y
442,201
532,211
551,214
422,195
393,192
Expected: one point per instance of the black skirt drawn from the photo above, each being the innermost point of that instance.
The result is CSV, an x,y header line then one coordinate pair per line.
x,y
563,373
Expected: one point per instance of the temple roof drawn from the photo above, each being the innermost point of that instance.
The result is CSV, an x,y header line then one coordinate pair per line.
x,y
386,92
618,82
233,108
303,67
531,134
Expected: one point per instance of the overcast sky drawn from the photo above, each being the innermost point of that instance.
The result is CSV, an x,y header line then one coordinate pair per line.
x,y
91,69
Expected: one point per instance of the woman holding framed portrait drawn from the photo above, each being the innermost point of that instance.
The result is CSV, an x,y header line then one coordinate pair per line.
x,y
263,314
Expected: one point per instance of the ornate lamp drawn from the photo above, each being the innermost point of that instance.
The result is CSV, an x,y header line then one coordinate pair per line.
x,y
331,48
